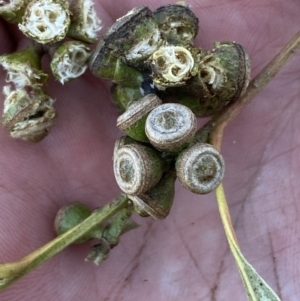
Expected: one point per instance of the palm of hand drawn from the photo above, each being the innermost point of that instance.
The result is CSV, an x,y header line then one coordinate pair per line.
x,y
185,256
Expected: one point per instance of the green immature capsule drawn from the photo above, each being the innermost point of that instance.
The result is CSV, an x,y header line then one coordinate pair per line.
x,y
70,216
132,121
137,168
177,23
157,201
236,64
200,168
170,127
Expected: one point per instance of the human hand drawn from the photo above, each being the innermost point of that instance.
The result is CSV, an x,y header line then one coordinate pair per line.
x,y
186,255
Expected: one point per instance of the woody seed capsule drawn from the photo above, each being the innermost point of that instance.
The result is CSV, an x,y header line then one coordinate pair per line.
x,y
170,127
200,168
137,168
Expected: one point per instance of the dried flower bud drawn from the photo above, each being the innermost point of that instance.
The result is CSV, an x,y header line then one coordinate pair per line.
x,y
177,24
46,21
85,24
28,115
69,60
172,66
13,10
98,253
24,68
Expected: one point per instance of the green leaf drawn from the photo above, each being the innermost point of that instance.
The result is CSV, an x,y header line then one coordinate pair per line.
x,y
256,288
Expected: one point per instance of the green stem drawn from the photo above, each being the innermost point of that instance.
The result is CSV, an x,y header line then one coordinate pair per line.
x,y
12,271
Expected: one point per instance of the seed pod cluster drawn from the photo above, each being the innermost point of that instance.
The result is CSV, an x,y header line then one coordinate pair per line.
x,y
158,149
161,83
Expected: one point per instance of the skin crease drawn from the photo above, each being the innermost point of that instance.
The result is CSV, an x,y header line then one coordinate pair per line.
x,y
185,256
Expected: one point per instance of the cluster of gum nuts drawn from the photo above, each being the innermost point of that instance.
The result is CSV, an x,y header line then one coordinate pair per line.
x,y
158,149
161,83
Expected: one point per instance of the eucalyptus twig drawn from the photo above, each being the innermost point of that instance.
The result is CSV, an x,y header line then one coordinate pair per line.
x,y
12,271
256,288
